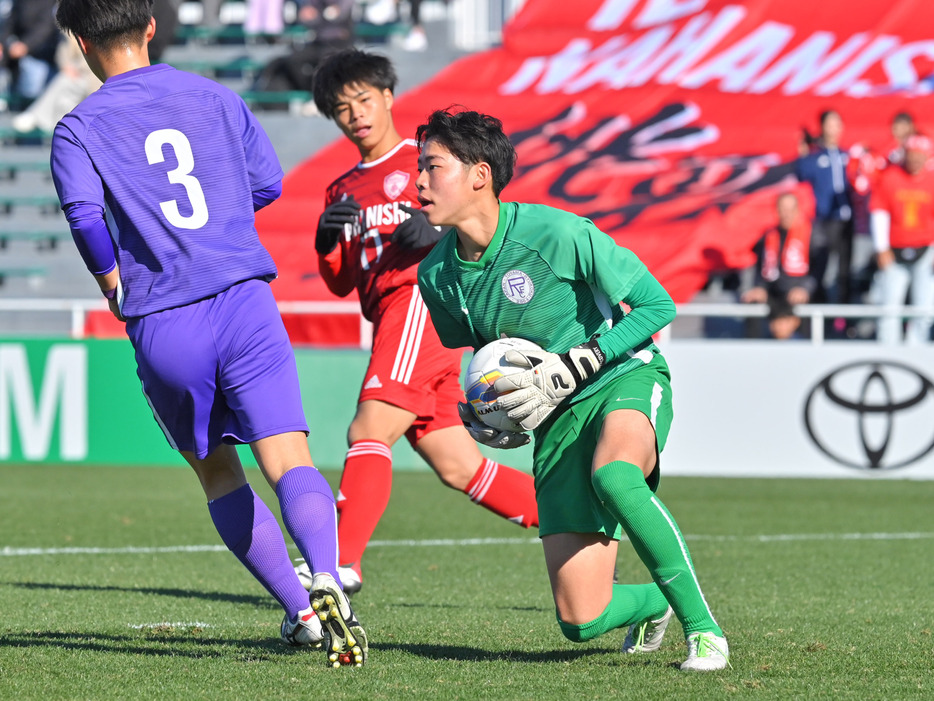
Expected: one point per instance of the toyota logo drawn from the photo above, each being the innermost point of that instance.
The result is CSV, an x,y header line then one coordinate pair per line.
x,y
872,415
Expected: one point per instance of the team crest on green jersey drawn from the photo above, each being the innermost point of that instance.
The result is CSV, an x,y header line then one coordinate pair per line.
x,y
518,287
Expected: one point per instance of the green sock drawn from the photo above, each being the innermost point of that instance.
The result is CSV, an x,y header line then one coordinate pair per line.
x,y
655,536
630,604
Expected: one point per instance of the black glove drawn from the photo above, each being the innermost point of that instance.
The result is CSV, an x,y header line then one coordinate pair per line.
x,y
486,435
415,232
331,223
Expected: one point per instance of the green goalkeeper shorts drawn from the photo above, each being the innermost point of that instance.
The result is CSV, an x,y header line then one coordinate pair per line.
x,y
564,450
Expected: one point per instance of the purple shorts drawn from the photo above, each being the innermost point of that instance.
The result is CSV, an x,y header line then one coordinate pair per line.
x,y
219,370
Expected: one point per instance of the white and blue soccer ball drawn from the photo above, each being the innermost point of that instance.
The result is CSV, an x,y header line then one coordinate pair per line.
x,y
488,365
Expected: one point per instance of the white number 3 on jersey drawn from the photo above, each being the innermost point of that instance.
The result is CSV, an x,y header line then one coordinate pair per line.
x,y
180,176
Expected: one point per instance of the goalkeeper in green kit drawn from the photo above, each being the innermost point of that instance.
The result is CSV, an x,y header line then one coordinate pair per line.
x,y
598,397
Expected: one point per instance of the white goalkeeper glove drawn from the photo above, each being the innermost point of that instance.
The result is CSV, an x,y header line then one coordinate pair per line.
x,y
486,435
529,397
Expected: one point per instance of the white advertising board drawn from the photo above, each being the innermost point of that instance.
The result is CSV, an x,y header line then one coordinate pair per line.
x,y
788,409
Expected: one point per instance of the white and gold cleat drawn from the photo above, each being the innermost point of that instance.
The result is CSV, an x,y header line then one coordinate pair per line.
x,y
344,637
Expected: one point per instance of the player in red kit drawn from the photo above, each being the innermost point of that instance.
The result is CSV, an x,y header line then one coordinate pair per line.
x,y
371,237
903,238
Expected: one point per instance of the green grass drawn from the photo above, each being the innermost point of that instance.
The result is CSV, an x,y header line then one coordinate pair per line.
x,y
826,615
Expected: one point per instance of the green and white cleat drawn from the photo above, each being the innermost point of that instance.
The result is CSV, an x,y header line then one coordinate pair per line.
x,y
344,637
707,652
647,635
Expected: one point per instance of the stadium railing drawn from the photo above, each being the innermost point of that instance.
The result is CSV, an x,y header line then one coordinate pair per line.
x,y
78,310
817,314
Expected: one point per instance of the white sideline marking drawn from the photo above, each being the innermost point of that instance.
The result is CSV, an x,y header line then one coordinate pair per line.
x,y
776,538
166,624
130,550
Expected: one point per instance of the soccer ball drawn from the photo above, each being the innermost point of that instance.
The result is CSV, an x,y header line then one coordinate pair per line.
x,y
487,366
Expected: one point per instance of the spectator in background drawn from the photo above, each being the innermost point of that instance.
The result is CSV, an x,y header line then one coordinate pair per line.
x,y
165,13
382,12
784,324
333,26
823,165
781,274
332,22
902,127
73,82
28,39
903,234
862,171
264,17
416,39
211,13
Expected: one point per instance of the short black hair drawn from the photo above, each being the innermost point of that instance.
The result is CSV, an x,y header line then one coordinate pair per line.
x,y
350,67
779,306
903,117
105,23
827,114
472,138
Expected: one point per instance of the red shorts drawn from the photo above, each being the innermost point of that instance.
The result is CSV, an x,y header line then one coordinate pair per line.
x,y
410,369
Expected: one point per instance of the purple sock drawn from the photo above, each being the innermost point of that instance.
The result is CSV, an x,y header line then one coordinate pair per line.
x,y
309,515
249,529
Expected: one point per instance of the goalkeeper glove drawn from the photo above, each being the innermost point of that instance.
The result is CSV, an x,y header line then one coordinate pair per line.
x,y
529,397
486,435
415,232
331,223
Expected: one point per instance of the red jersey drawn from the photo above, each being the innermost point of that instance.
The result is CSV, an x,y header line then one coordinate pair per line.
x,y
909,200
365,258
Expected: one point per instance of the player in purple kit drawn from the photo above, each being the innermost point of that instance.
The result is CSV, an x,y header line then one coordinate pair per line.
x,y
159,173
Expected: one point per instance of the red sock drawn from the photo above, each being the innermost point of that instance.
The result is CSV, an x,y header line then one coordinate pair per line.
x,y
505,491
362,498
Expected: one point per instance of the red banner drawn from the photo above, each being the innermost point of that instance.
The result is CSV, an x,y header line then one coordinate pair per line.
x,y
672,124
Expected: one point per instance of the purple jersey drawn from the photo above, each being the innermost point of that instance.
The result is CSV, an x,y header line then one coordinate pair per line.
x,y
174,158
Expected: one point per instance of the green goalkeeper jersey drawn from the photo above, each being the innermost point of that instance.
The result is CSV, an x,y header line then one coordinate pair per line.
x,y
553,278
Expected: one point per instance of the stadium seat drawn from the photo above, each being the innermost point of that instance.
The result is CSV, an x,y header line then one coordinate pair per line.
x,y
262,99
44,240
12,137
10,169
24,272
241,66
47,204
232,34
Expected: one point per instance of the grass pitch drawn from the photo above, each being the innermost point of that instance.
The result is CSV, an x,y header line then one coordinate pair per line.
x,y
114,584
